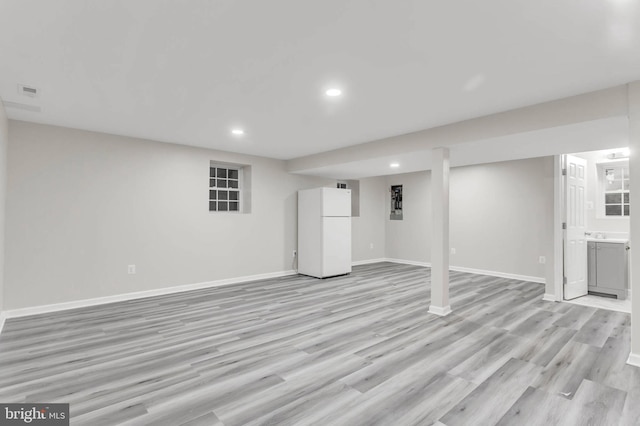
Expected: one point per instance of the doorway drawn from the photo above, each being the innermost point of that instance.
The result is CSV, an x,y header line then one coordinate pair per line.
x,y
595,228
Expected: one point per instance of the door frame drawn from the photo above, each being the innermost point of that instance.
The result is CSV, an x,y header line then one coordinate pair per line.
x,y
558,234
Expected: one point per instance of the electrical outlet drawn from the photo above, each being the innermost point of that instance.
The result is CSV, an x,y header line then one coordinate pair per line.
x,y
453,251
542,260
295,253
131,269
370,246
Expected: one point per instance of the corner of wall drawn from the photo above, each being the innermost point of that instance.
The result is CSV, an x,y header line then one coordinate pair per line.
x,y
4,144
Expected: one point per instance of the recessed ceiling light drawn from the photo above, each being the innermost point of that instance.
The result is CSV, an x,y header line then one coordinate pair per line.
x,y
237,132
394,165
333,92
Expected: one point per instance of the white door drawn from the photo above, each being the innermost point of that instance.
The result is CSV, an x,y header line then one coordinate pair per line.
x,y
575,243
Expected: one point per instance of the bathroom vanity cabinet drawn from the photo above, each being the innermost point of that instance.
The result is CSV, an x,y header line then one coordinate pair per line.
x,y
608,268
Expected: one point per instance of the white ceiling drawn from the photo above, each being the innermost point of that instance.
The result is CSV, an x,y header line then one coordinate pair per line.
x,y
187,72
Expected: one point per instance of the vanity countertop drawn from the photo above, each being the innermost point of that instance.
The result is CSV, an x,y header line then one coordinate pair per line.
x,y
609,240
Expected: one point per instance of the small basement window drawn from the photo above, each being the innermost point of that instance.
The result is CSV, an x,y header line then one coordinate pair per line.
x,y
225,188
613,189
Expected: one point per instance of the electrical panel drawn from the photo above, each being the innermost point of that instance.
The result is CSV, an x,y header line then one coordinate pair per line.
x,y
396,202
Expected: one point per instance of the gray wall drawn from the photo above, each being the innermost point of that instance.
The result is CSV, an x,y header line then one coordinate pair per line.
x,y
81,206
368,229
4,142
410,238
500,217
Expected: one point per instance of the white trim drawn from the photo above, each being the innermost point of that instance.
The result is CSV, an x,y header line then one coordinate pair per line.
x,y
471,271
634,359
3,318
410,262
558,233
498,274
549,297
368,261
441,311
35,310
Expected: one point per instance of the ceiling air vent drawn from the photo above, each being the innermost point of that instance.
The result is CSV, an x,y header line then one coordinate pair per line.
x,y
29,91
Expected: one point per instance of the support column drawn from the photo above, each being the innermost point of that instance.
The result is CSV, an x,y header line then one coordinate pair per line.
x,y
440,232
634,219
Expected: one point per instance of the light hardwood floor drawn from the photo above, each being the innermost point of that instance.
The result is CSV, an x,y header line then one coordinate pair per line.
x,y
355,350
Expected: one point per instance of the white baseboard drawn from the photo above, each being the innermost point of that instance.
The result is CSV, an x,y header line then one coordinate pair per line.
x,y
473,271
634,359
549,297
35,310
499,274
368,261
439,310
409,262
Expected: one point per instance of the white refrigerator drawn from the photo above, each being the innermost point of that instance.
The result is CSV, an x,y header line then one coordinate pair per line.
x,y
324,232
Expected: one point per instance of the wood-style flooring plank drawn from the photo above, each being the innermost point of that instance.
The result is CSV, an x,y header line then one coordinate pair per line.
x,y
537,408
488,403
566,371
542,348
596,404
599,327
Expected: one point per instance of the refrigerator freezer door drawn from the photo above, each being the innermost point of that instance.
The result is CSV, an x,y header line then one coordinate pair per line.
x,y
336,246
336,202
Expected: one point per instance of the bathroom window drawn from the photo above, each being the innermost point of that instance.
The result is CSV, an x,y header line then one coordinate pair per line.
x,y
613,185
